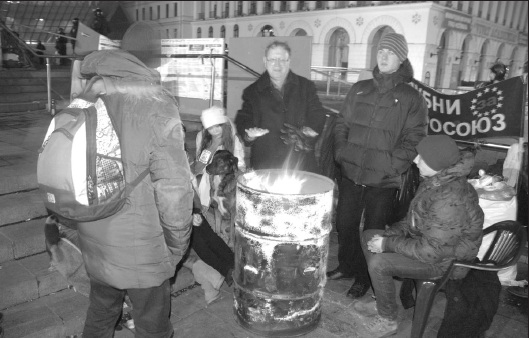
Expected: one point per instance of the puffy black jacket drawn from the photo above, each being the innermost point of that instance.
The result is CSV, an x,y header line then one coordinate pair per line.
x,y
380,123
444,222
263,107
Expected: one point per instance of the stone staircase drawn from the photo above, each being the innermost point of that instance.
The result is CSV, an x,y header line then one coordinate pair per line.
x,y
26,89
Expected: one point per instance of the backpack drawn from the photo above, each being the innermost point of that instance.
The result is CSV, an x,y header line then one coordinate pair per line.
x,y
80,169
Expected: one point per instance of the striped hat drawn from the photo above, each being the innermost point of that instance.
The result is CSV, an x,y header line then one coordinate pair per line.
x,y
395,43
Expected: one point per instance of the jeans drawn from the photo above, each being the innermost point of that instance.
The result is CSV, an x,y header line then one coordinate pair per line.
x,y
152,309
212,249
353,199
384,266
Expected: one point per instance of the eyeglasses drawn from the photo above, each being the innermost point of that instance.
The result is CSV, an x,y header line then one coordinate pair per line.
x,y
278,61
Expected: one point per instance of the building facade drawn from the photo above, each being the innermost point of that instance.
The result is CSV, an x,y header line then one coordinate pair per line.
x,y
451,43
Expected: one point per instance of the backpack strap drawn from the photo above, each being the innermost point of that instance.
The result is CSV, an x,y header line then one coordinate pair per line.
x,y
137,181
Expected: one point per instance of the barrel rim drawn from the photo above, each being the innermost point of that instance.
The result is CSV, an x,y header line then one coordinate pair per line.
x,y
308,173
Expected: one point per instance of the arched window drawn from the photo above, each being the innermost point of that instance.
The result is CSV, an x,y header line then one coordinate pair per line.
x,y
210,32
236,31
199,32
267,30
222,31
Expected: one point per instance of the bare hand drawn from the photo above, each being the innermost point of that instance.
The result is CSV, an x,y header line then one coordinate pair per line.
x,y
197,219
254,133
375,244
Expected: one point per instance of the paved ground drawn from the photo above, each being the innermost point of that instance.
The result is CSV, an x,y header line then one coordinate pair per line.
x,y
20,135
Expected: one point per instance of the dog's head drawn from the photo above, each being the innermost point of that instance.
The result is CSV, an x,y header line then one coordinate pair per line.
x,y
223,163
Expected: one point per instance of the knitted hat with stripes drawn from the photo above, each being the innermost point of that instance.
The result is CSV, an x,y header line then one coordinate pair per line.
x,y
395,43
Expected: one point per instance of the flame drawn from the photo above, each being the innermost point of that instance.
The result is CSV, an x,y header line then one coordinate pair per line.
x,y
288,183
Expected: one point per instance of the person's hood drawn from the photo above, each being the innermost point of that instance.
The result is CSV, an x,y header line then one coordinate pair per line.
x,y
117,64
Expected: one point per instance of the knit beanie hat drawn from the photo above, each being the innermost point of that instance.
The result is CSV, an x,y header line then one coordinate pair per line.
x,y
213,116
395,43
438,151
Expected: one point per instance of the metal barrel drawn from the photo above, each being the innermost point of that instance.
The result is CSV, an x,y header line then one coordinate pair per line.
x,y
281,248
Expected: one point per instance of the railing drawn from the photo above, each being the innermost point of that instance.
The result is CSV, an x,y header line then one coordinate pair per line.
x,y
336,74
24,50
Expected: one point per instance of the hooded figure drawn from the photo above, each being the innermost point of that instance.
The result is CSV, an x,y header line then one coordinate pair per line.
x,y
136,250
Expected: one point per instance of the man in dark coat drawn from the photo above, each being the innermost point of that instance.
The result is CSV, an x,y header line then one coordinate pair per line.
x,y
60,46
100,23
444,223
281,115
380,123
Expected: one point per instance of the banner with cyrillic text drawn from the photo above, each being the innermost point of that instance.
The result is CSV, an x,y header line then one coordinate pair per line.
x,y
492,111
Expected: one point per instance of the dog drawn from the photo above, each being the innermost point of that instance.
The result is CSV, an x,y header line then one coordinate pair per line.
x,y
224,168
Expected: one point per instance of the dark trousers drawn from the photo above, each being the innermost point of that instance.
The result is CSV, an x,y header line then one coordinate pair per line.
x,y
152,309
384,266
353,200
212,249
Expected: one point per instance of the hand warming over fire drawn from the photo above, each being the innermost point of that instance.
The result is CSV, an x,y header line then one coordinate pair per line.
x,y
375,244
253,133
302,138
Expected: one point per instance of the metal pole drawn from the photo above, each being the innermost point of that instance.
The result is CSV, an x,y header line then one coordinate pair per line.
x,y
328,82
212,78
48,81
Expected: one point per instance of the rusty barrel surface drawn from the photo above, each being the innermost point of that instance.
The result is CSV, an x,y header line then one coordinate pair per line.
x,y
281,248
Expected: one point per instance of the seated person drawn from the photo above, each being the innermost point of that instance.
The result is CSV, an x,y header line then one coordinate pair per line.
x,y
444,223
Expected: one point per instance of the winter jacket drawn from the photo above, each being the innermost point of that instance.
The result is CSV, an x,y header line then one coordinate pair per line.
x,y
380,123
264,107
444,221
140,246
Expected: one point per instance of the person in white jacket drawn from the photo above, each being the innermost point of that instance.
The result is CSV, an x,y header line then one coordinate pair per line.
x,y
219,133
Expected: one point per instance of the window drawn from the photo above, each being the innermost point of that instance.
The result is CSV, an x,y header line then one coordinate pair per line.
x,y
239,8
253,7
236,31
167,33
175,9
226,10
137,14
143,13
150,13
301,5
268,7
319,4
158,12
222,32
175,33
166,10
210,32
199,32
283,6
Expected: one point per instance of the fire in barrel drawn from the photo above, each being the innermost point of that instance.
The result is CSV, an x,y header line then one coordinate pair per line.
x,y
281,246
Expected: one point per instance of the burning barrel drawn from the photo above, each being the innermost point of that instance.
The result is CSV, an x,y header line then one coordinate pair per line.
x,y
281,246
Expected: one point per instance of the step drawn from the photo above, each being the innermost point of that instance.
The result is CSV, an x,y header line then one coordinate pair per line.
x,y
21,240
26,97
21,206
22,106
28,279
17,88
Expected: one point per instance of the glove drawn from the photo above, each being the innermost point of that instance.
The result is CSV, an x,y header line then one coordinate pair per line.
x,y
303,138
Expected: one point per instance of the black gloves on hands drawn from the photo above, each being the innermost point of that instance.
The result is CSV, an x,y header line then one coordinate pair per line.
x,y
302,138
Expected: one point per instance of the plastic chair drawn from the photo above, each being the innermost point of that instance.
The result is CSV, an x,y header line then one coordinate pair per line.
x,y
504,251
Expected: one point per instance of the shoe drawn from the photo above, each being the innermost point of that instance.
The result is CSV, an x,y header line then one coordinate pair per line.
x,y
520,291
358,289
381,327
337,274
1,333
367,309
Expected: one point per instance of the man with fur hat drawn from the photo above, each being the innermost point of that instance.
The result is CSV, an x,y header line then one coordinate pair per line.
x,y
380,123
444,223
136,250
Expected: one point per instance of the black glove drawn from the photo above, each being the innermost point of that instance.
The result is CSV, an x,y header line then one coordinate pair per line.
x,y
302,140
